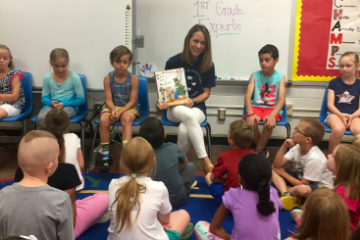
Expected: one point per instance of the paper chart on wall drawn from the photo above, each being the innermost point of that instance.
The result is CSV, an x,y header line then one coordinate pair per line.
x,y
323,31
345,31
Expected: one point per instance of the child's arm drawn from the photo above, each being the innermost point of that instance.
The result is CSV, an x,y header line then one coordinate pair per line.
x,y
214,179
46,94
332,108
247,99
181,164
65,226
72,195
80,158
108,95
164,219
79,95
280,158
217,221
133,94
270,120
293,181
15,91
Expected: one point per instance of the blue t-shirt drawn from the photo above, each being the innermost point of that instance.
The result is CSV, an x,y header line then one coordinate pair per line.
x,y
266,90
346,96
195,80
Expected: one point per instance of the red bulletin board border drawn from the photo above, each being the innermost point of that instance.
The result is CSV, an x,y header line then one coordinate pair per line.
x,y
311,42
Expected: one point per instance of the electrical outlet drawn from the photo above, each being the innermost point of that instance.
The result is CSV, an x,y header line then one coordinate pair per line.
x,y
222,113
289,109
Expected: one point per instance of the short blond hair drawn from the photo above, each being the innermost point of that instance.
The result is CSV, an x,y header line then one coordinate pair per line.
x,y
356,141
36,149
242,133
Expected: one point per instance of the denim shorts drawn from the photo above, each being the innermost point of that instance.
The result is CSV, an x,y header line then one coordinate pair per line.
x,y
293,174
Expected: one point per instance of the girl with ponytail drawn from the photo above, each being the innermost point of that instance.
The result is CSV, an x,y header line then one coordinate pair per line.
x,y
140,207
255,206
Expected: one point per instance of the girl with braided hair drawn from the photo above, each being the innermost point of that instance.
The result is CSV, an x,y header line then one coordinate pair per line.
x,y
255,206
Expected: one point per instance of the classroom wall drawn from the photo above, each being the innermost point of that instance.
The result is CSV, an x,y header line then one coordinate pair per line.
x,y
306,102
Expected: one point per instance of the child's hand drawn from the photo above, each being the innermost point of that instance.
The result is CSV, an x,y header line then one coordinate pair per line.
x,y
269,121
54,104
113,116
289,143
348,119
60,105
253,120
167,226
118,114
344,119
163,105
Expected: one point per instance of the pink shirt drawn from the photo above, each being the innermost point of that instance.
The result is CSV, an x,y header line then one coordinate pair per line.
x,y
352,204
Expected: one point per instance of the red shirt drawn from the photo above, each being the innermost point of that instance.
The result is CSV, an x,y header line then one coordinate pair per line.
x,y
227,163
352,204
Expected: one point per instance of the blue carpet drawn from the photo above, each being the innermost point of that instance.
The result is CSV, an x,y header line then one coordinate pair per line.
x,y
199,208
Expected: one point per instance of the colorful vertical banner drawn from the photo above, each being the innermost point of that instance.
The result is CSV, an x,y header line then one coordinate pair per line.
x,y
324,30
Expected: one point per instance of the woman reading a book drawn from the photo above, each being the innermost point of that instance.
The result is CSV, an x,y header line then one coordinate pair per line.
x,y
196,59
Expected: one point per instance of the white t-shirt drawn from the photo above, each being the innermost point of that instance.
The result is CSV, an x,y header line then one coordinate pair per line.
x,y
311,166
72,144
155,200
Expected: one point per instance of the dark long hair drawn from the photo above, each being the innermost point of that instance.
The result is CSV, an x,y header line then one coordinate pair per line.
x,y
255,172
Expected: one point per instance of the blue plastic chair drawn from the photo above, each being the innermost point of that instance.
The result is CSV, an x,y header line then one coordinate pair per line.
x,y
323,113
26,83
144,112
166,122
282,122
81,116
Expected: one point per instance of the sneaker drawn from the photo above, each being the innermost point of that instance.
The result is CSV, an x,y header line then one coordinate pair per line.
x,y
296,215
193,185
105,166
188,232
104,218
290,202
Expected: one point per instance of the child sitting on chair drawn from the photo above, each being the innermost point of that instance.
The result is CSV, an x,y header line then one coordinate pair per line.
x,y
121,92
12,97
240,136
265,97
172,167
310,164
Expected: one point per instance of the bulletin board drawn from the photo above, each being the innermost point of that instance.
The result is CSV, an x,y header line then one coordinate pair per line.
x,y
324,30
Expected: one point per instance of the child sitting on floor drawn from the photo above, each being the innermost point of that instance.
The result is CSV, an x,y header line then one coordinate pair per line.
x,y
140,207
255,207
240,136
325,217
58,121
172,167
347,170
310,164
31,206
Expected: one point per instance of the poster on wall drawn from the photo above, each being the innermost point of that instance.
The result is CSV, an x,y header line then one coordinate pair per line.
x,y
324,30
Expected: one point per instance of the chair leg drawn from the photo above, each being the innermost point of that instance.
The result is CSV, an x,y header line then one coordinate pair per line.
x,y
82,138
208,134
288,130
92,148
24,126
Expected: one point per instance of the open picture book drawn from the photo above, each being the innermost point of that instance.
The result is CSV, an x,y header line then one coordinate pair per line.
x,y
171,86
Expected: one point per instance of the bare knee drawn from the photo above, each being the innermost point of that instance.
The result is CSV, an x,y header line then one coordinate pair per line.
x,y
126,120
356,131
184,215
338,130
104,120
301,191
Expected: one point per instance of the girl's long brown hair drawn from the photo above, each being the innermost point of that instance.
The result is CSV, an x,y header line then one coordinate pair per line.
x,y
347,160
137,157
206,56
325,217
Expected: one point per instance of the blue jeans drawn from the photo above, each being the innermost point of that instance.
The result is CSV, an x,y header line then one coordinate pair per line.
x,y
43,112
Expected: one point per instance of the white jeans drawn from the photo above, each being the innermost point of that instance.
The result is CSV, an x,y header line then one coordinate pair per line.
x,y
190,131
